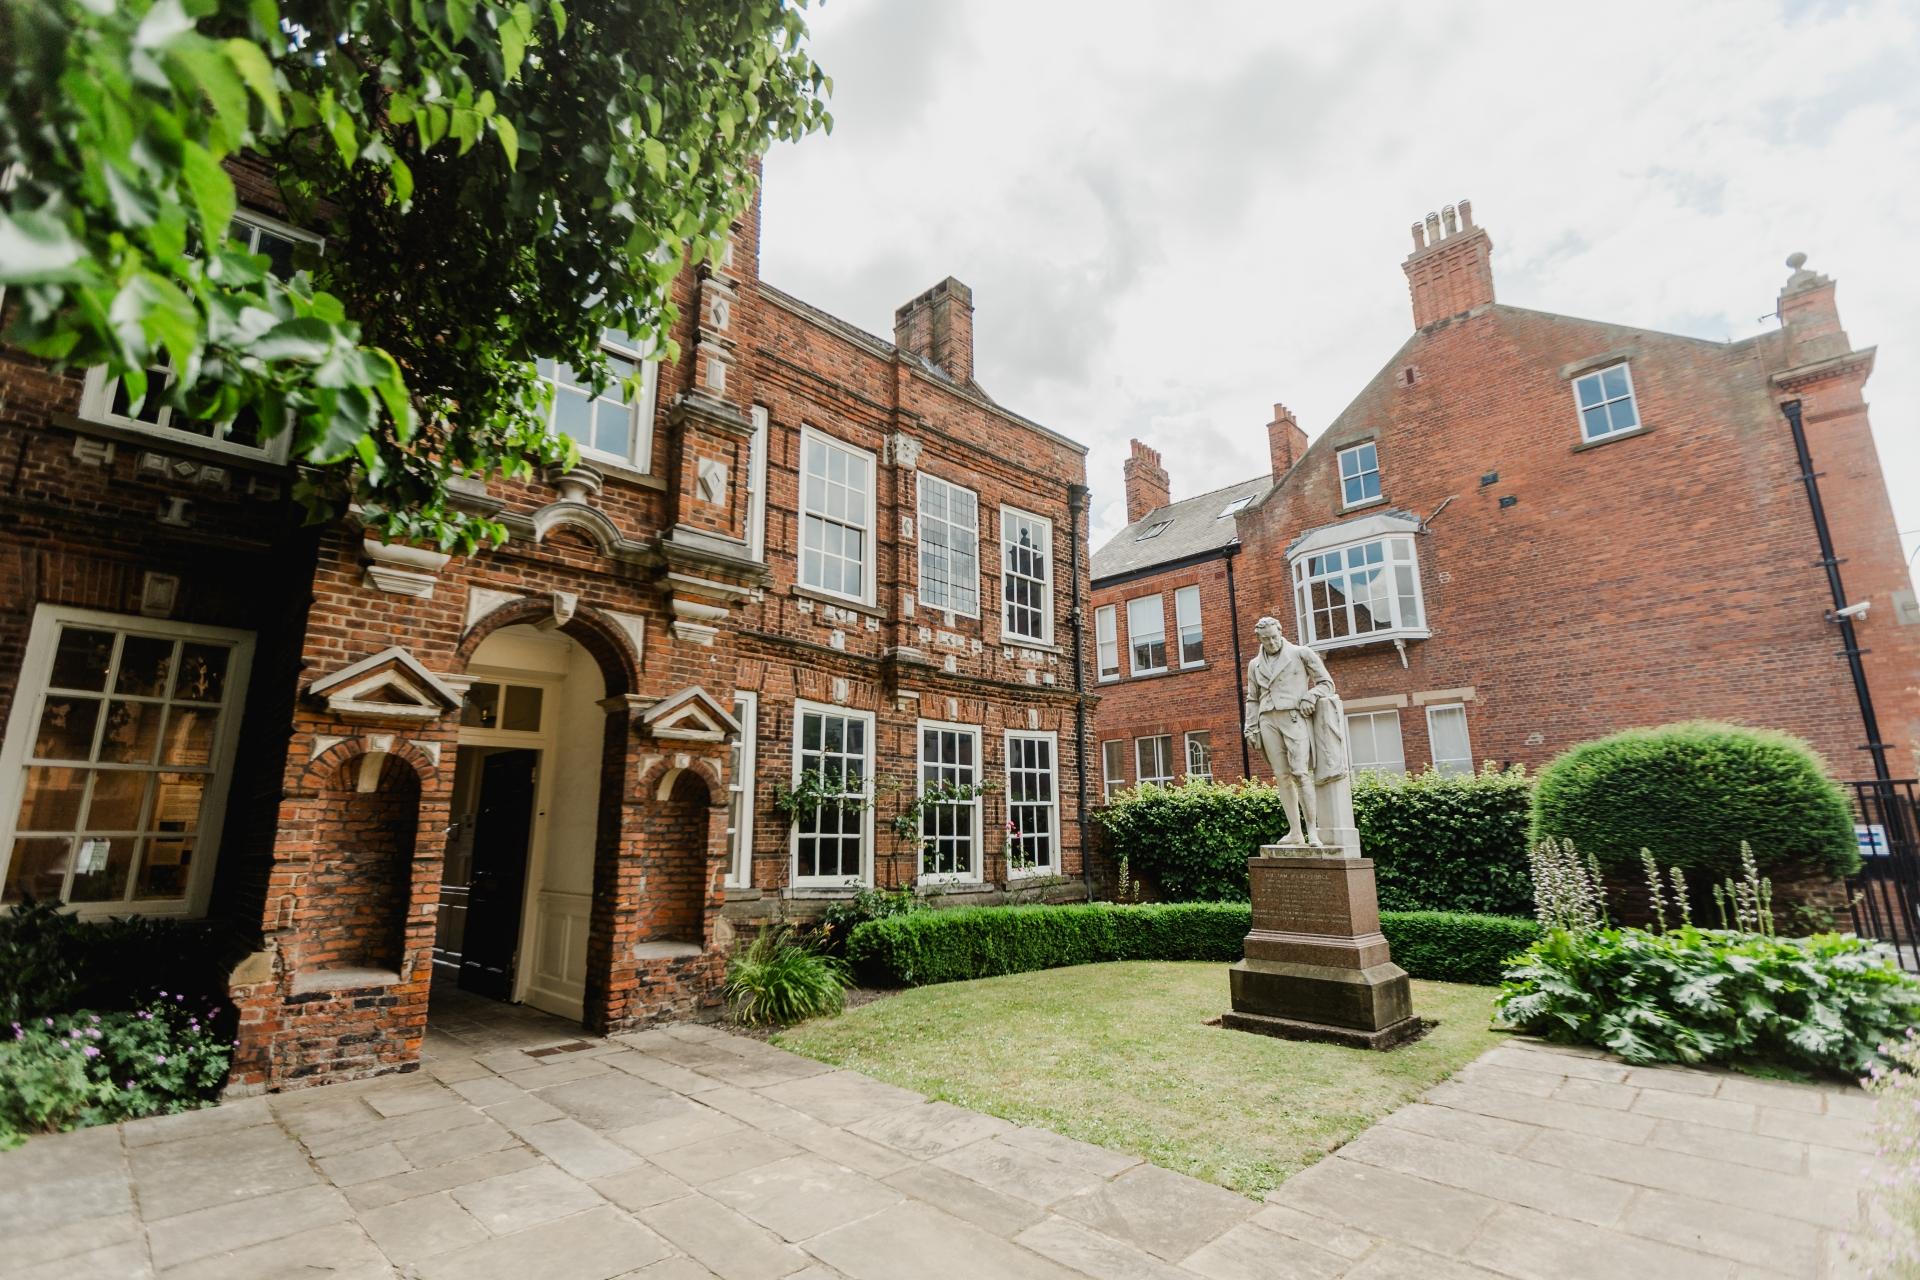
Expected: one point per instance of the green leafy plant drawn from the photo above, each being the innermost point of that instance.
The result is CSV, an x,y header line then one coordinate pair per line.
x,y
1568,892
498,182
813,792
838,921
978,942
54,962
1693,793
907,824
1693,995
1439,841
777,981
98,1068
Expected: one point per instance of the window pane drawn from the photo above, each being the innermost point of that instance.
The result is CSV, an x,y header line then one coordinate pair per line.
x,y
1614,381
82,659
38,869
119,799
144,665
51,801
188,739
164,868
66,728
100,865
1621,413
522,710
1588,389
481,710
1594,422
132,734
1447,729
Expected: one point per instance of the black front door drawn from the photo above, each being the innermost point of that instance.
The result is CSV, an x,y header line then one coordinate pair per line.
x,y
502,823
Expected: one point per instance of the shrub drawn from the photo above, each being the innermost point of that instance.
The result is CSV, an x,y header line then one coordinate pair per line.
x,y
837,922
777,981
99,1068
55,962
1694,995
1447,842
1456,946
981,942
1691,793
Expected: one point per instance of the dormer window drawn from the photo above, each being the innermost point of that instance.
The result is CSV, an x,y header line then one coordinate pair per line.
x,y
1359,474
1605,400
1238,504
1154,530
1358,582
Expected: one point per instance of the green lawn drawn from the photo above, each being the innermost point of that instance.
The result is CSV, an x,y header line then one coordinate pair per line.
x,y
1118,1054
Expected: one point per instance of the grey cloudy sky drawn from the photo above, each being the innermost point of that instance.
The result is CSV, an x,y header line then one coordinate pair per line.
x,y
1174,215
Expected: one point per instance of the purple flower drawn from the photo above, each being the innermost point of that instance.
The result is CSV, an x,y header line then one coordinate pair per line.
x,y
92,1052
49,1021
178,999
95,1033
73,1035
94,1016
163,995
160,1058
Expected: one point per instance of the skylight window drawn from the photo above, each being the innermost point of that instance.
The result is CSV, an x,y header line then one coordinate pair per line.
x,y
1154,530
1238,504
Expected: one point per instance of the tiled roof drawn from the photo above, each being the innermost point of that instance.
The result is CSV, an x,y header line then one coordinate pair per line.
x,y
1192,527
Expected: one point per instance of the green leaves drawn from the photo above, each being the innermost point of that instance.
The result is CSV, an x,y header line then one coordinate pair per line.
x,y
37,248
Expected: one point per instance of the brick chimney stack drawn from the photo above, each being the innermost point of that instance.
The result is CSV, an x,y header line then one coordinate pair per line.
x,y
1147,484
938,325
1450,269
1285,440
1810,315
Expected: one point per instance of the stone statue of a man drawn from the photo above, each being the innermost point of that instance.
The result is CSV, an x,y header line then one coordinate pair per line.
x,y
1294,718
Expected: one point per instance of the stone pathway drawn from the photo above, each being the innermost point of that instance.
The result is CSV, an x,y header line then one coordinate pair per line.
x,y
524,1150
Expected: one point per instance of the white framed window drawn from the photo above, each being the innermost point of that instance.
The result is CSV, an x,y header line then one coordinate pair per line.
x,y
1360,592
740,770
1373,741
503,707
1200,754
1113,767
1186,616
949,546
1447,738
1605,401
1153,759
949,828
836,517
1153,530
1033,804
1026,559
117,758
831,845
1146,636
614,426
1234,507
1359,474
1106,620
757,486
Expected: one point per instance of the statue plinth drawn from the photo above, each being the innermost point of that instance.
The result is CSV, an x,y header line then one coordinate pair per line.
x,y
1317,966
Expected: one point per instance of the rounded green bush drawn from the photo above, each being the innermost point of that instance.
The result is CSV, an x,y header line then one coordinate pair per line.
x,y
1447,841
1691,793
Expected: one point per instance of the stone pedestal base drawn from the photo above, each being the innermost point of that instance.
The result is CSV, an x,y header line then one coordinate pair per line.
x,y
1317,966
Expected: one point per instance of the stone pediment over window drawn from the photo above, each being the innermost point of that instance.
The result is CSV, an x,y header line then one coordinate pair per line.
x,y
691,715
389,686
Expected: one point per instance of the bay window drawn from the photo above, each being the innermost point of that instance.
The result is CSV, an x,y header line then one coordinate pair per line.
x,y
1359,582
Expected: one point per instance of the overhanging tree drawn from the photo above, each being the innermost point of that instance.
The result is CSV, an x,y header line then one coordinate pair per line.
x,y
497,183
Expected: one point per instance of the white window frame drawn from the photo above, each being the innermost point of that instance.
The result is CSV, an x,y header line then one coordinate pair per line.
x,y
1187,746
1052,741
1182,623
1395,534
1607,402
921,481
24,720
740,784
1106,641
1374,718
1235,507
1008,517
97,393
1359,473
801,709
1450,764
640,410
971,808
1160,610
1110,781
757,485
1140,774
869,562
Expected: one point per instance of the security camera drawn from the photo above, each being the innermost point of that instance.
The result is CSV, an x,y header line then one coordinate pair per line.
x,y
1852,611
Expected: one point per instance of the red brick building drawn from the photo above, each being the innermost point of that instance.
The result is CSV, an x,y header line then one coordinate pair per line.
x,y
1525,531
547,772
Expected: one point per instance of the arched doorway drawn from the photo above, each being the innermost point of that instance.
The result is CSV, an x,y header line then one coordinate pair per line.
x,y
516,896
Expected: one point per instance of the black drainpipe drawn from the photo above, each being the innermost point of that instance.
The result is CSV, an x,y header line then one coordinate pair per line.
x,y
1076,507
1239,667
1851,649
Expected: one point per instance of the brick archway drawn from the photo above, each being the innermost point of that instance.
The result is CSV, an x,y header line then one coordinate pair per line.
x,y
608,645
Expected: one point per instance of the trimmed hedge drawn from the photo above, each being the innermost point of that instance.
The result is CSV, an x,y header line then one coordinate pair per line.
x,y
963,943
1691,793
1439,841
1448,841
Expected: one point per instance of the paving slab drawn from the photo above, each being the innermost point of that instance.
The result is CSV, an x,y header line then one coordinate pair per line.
x,y
596,1245
841,1097
1165,1213
1094,1254
1528,1245
726,1243
724,1156
803,1195
221,1168
225,1228
1567,1191
341,1251
1381,1202
1018,1172
930,1129
917,1241
417,1229
525,1198
1249,1252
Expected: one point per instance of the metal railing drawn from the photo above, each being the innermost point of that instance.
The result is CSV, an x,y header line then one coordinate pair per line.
x,y
1885,895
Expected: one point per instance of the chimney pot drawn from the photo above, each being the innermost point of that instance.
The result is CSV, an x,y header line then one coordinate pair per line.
x,y
1148,486
1453,273
1433,228
1419,237
1449,220
1466,215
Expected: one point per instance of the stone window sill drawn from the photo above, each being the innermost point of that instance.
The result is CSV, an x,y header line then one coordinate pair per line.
x,y
838,602
1585,445
666,950
1380,501
344,979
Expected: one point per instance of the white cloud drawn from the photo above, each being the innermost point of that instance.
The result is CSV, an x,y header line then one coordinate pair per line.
x,y
1173,216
